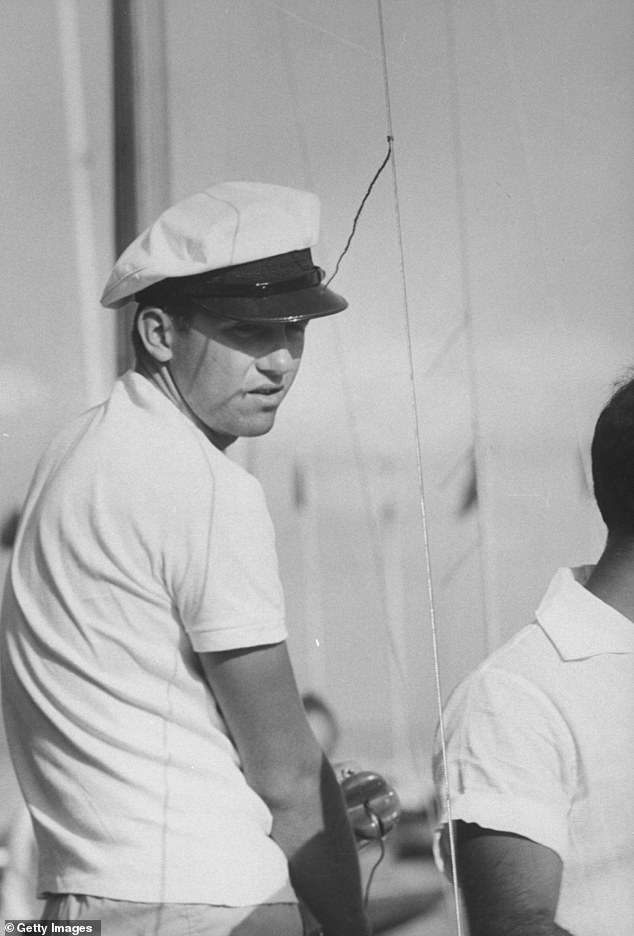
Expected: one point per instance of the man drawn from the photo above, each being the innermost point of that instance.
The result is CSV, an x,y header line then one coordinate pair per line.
x,y
540,741
154,721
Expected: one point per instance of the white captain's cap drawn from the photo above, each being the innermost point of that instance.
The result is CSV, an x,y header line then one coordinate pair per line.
x,y
239,250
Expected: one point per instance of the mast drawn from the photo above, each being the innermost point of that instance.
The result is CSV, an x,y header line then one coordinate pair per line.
x,y
97,366
141,131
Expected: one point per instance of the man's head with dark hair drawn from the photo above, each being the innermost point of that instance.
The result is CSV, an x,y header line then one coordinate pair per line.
x,y
613,461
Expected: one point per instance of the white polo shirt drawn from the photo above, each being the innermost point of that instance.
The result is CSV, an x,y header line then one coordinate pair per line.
x,y
540,742
140,544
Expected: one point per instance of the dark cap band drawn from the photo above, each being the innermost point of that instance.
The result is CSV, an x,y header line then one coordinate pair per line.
x,y
220,289
287,287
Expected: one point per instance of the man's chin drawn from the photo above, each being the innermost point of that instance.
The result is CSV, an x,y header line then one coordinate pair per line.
x,y
255,431
257,427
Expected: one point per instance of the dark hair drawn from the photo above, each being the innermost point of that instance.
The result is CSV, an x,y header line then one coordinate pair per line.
x,y
613,460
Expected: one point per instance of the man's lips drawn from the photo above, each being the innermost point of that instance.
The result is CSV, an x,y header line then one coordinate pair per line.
x,y
269,390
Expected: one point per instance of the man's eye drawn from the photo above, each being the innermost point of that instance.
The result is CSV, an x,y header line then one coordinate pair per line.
x,y
245,330
254,331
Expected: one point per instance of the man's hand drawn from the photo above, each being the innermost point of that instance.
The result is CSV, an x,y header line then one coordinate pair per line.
x,y
510,884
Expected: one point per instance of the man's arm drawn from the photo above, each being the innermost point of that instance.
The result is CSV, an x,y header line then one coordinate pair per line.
x,y
257,693
510,884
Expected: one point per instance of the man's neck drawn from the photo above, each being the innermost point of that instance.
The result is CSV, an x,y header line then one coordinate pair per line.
x,y
161,377
612,579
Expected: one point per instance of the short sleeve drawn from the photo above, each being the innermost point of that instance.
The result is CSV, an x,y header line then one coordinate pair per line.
x,y
223,565
510,759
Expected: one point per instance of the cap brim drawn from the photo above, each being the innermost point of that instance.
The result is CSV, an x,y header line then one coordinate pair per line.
x,y
298,306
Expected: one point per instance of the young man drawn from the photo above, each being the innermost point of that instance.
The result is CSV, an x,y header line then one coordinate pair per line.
x,y
540,740
153,717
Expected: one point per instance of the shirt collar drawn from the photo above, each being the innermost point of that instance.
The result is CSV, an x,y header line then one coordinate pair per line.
x,y
580,624
145,393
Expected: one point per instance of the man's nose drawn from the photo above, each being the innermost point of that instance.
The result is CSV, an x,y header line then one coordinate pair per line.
x,y
283,351
278,360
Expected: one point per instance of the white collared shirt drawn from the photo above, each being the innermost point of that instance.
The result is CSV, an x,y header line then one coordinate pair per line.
x,y
140,545
540,742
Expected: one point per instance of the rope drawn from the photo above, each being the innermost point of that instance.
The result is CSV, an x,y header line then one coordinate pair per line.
x,y
360,209
419,462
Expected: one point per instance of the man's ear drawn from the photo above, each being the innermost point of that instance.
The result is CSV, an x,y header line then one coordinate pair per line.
x,y
155,330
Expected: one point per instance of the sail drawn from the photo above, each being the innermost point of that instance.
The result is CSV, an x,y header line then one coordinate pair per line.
x,y
490,295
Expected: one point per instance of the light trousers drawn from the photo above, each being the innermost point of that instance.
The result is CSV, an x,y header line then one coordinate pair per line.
x,y
132,918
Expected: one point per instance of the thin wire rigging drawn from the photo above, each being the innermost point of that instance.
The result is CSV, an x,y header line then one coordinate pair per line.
x,y
419,460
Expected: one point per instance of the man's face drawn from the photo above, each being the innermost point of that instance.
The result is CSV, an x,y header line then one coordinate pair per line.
x,y
234,375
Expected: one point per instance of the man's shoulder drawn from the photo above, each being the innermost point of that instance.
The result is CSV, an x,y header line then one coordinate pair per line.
x,y
138,430
525,653
142,421
521,667
136,451
511,702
